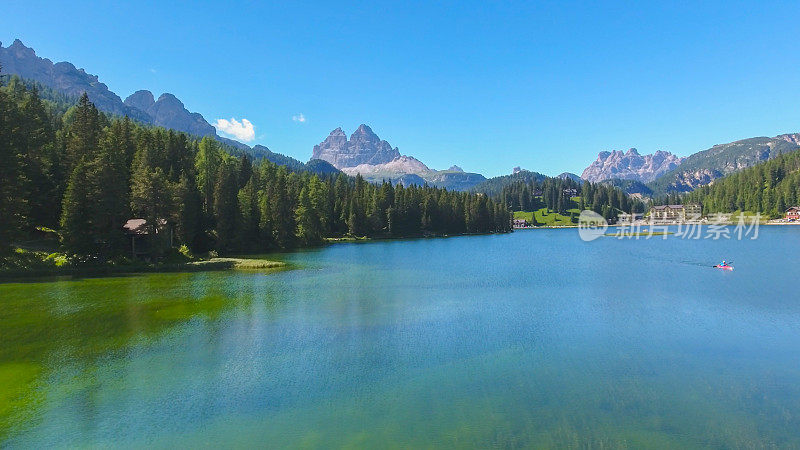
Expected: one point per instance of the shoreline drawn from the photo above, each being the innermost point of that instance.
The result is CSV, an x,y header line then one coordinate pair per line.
x,y
240,262
207,265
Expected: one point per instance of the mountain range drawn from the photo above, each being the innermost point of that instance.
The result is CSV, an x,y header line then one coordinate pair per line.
x,y
363,153
663,172
376,160
630,166
704,167
167,111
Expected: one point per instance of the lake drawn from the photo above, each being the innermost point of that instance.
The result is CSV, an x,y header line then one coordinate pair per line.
x,y
530,339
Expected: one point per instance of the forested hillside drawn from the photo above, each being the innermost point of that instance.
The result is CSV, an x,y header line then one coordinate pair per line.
x,y
770,188
494,186
563,194
85,174
704,167
630,186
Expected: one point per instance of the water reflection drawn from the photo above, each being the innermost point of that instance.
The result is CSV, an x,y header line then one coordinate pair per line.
x,y
533,338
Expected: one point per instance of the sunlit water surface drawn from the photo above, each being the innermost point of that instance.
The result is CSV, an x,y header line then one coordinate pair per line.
x,y
529,339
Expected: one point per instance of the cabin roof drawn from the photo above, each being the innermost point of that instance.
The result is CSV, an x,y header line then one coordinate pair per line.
x,y
139,226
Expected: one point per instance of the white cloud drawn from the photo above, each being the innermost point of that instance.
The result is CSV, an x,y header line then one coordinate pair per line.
x,y
299,118
153,70
243,131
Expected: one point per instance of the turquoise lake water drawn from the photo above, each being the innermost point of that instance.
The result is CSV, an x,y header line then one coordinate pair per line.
x,y
530,339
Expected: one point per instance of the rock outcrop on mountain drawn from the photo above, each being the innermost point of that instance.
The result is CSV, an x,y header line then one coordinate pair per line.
x,y
704,167
630,165
376,160
793,138
400,165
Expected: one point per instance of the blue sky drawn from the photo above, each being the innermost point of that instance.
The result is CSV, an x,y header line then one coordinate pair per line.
x,y
485,85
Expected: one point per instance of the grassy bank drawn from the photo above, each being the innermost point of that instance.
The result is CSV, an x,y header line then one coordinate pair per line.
x,y
28,263
546,217
237,263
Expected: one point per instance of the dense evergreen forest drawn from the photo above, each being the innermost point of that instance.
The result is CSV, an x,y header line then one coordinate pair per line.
x,y
558,195
494,186
769,188
83,174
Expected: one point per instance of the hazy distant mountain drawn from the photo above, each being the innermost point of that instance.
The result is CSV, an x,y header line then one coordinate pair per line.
x,y
315,165
376,160
706,166
569,176
630,166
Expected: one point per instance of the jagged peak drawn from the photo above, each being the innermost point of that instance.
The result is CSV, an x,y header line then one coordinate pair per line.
x,y
18,47
169,98
141,92
142,99
363,130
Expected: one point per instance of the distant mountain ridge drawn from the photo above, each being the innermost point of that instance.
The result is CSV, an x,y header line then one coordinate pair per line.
x,y
704,167
376,160
64,77
168,111
630,165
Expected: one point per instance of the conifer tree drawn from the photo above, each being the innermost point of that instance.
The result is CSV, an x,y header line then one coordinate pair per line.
x,y
76,214
226,207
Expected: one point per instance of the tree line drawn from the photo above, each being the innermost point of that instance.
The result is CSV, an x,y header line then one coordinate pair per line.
x,y
85,174
558,194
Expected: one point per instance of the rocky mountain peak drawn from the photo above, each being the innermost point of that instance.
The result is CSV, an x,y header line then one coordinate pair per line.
x,y
455,168
143,100
169,98
630,165
363,147
20,50
363,129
